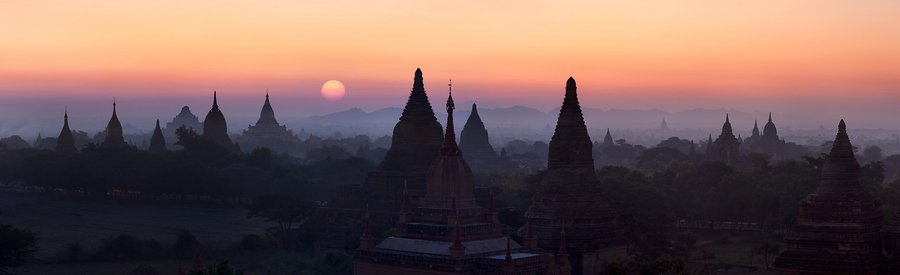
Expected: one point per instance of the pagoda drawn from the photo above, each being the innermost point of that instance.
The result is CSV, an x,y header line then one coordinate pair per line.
x,y
157,141
475,142
838,225
215,129
186,118
416,139
570,196
449,233
726,148
768,143
114,136
266,129
65,143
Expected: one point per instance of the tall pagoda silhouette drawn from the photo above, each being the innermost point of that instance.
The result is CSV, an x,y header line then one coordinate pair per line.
x,y
570,196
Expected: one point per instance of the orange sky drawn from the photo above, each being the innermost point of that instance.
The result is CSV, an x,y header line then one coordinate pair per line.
x,y
672,55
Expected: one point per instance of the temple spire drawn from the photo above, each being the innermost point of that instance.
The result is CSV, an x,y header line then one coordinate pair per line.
x,y
508,254
450,148
366,241
770,117
215,101
197,260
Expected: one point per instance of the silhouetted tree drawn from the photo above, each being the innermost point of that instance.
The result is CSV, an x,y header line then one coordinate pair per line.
x,y
283,209
17,246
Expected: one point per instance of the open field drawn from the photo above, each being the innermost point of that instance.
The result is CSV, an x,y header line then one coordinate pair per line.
x,y
734,251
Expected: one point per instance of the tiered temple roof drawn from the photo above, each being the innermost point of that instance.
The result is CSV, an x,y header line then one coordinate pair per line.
x,y
768,143
417,138
838,225
726,148
479,152
65,143
266,127
215,128
114,136
570,196
186,118
449,233
157,141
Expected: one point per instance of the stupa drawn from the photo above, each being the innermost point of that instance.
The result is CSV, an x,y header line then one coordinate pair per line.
x,y
114,136
570,196
726,148
215,129
157,141
838,225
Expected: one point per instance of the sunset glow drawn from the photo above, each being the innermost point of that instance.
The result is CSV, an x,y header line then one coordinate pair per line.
x,y
625,55
333,90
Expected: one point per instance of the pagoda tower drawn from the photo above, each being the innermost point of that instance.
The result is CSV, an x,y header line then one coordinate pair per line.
x,y
114,136
65,143
186,118
449,233
416,139
266,128
157,141
768,143
479,153
726,148
570,196
838,225
474,137
215,129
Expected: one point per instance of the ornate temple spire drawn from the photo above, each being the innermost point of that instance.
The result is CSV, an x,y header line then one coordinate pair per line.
x,y
530,241
841,164
769,131
114,136
157,141
726,128
197,260
608,139
755,129
508,254
65,143
450,148
570,146
267,114
366,241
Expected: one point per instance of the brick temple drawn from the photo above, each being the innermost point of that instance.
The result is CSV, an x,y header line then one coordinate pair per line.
x,y
449,233
839,225
570,196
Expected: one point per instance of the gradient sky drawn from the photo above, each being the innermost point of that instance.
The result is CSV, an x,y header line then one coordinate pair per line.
x,y
804,57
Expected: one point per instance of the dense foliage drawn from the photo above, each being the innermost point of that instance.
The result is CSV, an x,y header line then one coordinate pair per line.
x,y
203,170
16,247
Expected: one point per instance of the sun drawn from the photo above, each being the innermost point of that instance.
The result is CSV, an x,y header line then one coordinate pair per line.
x,y
333,90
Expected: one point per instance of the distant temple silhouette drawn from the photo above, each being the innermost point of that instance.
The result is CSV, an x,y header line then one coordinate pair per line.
x,y
114,136
480,154
266,129
449,233
157,141
570,196
215,129
726,148
186,118
65,143
768,143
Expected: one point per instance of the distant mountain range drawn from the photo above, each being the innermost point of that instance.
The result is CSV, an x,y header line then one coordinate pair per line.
x,y
525,117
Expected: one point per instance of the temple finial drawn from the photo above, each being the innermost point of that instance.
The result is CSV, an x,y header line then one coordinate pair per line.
x,y
770,116
215,101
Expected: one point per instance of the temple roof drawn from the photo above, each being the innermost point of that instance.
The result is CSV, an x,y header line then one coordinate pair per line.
x,y
417,136
769,130
114,136
570,145
215,128
473,133
157,141
267,114
65,143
